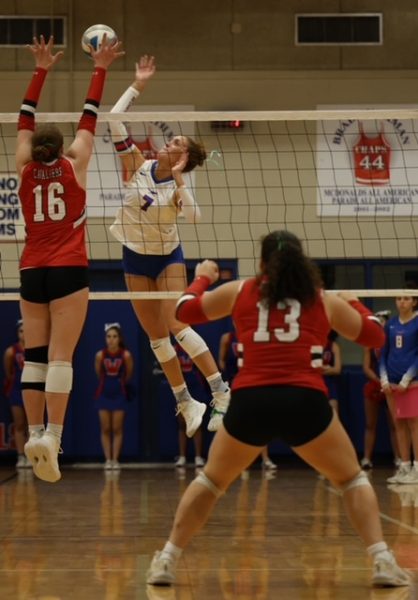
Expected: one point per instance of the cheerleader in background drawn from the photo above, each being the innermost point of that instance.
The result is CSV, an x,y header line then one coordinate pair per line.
x,y
114,366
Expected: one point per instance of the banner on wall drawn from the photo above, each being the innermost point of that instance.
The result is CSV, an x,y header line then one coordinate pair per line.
x,y
105,192
11,218
367,168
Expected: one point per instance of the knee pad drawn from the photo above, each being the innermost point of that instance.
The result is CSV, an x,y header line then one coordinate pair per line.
x,y
34,376
357,481
59,378
205,481
163,349
38,354
191,342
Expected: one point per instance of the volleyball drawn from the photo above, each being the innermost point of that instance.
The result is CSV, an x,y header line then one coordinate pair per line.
x,y
94,36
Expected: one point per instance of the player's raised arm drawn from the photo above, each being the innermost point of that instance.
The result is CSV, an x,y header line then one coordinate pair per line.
x,y
82,147
129,154
44,60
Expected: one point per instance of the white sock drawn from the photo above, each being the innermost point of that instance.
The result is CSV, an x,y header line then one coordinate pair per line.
x,y
55,430
171,551
216,383
416,465
380,550
181,393
38,429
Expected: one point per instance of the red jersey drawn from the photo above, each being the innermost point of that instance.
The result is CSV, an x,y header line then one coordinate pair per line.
x,y
279,346
12,385
372,159
54,209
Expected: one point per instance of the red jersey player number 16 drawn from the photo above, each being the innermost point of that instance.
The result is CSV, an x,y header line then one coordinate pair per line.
x,y
53,267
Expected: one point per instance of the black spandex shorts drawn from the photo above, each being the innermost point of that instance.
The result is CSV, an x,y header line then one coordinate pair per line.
x,y
43,284
294,415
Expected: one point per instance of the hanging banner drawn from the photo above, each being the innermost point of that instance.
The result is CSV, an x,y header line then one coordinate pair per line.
x,y
367,168
11,218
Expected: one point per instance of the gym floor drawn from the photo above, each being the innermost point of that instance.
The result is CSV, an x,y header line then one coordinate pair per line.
x,y
284,536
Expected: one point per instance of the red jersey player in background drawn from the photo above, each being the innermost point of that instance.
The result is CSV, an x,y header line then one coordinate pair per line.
x,y
53,266
13,360
228,364
282,319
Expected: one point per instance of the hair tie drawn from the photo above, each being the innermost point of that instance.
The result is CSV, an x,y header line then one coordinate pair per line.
x,y
280,244
214,154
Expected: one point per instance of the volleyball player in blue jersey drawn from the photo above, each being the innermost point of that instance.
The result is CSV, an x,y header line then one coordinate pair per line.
x,y
146,225
398,370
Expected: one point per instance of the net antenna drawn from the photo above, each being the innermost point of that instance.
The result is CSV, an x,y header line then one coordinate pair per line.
x,y
344,181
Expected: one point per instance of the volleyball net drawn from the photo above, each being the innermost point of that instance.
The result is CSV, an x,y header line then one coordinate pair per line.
x,y
345,182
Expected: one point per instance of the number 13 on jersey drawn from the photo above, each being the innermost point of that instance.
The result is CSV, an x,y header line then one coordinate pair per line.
x,y
291,319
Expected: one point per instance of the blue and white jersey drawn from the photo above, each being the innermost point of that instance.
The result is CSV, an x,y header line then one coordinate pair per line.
x,y
399,356
147,221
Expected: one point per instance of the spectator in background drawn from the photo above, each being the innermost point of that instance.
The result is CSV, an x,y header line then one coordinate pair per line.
x,y
195,384
331,359
228,361
13,361
374,400
228,355
114,366
398,369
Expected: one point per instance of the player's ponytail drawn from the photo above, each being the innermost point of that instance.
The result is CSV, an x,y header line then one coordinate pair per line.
x,y
286,271
47,142
197,155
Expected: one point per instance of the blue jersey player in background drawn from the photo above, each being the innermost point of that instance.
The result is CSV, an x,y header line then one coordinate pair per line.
x,y
398,369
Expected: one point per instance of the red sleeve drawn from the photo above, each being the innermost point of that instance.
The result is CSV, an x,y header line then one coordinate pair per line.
x,y
189,307
92,102
371,334
30,101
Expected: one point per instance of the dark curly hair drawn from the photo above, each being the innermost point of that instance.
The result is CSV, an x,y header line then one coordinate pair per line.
x,y
286,270
197,155
47,142
412,285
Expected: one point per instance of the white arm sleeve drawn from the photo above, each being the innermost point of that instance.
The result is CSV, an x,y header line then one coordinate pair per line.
x,y
117,128
188,206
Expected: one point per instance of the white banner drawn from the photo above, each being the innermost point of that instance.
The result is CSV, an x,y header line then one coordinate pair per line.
x,y
12,226
105,191
367,168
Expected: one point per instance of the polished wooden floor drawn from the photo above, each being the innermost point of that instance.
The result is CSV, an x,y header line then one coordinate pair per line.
x,y
91,537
